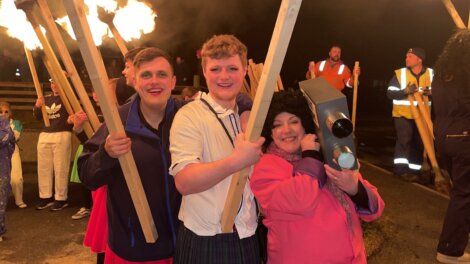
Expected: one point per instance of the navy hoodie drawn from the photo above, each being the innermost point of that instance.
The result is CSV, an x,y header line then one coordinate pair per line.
x,y
151,154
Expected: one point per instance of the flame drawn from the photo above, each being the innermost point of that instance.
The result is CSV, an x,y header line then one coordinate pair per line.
x,y
98,28
18,26
135,19
108,5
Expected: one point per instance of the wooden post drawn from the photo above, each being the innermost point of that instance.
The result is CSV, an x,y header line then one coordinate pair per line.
x,y
279,85
424,109
68,62
257,71
37,85
27,7
311,69
253,78
354,106
108,18
468,24
277,50
119,40
246,88
428,145
454,14
98,77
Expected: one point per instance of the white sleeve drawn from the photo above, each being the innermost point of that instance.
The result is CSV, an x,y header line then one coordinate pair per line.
x,y
186,139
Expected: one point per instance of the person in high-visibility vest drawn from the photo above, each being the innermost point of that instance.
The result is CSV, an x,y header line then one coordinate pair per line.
x,y
333,70
335,73
408,155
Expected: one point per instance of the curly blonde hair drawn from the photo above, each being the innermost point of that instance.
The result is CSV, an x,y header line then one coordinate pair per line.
x,y
223,46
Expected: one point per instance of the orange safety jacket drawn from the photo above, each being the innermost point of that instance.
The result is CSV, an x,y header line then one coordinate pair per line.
x,y
336,74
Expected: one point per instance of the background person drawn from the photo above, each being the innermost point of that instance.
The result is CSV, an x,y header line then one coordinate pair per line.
x,y
451,105
409,148
16,169
54,150
335,72
190,93
7,146
124,89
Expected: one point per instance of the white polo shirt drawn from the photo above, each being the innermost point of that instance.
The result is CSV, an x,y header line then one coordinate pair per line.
x,y
196,136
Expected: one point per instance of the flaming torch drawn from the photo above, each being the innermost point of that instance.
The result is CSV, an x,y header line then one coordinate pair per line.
x,y
27,7
107,18
37,86
118,22
18,27
67,59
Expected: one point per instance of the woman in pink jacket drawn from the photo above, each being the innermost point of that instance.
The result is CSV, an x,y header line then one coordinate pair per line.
x,y
311,210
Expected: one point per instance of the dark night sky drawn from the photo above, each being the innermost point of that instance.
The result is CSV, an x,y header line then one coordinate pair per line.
x,y
375,32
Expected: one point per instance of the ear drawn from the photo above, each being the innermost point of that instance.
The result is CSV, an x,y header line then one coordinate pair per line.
x,y
204,71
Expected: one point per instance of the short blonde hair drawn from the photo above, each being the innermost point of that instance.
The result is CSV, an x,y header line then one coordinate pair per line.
x,y
223,46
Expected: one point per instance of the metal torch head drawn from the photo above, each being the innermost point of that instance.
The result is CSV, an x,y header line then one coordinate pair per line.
x,y
105,16
24,4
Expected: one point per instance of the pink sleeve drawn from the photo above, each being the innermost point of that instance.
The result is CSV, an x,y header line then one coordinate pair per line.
x,y
281,195
376,204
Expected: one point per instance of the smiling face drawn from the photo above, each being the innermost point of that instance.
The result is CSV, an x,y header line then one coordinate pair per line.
x,y
287,132
224,78
154,83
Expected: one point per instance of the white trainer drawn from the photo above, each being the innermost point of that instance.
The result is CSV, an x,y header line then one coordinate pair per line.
x,y
465,258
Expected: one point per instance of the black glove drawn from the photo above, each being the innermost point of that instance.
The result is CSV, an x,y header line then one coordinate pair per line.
x,y
427,91
410,89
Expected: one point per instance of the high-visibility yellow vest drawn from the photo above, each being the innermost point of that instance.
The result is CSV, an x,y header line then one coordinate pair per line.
x,y
401,108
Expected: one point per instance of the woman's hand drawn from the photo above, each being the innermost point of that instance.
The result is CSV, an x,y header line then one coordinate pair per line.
x,y
117,144
346,180
309,142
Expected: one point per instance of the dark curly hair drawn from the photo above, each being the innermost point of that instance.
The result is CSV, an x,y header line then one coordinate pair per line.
x,y
454,61
292,102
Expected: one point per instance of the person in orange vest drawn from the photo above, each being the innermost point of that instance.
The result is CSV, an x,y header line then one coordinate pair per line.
x,y
335,73
408,155
333,70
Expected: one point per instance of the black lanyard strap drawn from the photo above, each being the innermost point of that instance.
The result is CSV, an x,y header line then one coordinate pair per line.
x,y
220,121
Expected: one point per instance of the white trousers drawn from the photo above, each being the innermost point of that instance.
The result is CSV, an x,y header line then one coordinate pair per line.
x,y
54,150
17,176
